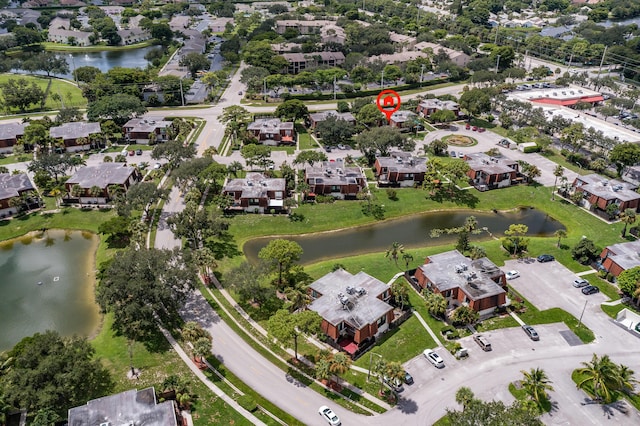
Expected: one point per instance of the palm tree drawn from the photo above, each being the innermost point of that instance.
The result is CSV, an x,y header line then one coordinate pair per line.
x,y
394,251
379,369
95,191
560,233
436,304
56,193
601,375
234,167
298,297
477,252
205,260
407,257
202,348
557,172
192,331
393,371
464,396
626,381
536,383
400,292
339,364
77,191
628,217
322,369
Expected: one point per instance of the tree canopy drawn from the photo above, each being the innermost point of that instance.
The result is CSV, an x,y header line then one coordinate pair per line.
x,y
380,140
120,108
281,254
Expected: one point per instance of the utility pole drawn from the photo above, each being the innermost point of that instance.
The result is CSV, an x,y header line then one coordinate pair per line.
x,y
264,88
334,87
601,63
497,63
570,61
585,307
181,92
421,73
382,80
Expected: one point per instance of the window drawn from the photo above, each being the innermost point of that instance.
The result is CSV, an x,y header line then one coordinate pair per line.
x,y
278,195
254,201
335,188
341,326
382,320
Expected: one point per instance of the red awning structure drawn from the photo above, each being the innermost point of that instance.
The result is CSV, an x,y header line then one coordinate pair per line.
x,y
568,102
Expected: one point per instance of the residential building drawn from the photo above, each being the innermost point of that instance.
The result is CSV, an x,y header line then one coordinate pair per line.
x,y
599,192
620,257
104,176
354,308
459,58
303,27
133,35
402,42
487,172
479,284
179,22
272,131
400,169
256,193
398,57
74,38
10,133
12,186
318,117
218,25
281,48
333,178
332,33
132,407
403,120
70,133
60,23
429,106
138,130
300,61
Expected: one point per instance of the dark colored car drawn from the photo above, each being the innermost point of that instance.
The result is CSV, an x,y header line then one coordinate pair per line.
x,y
139,152
531,332
545,258
408,378
590,290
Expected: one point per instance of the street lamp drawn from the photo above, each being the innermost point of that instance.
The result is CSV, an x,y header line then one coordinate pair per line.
x,y
371,354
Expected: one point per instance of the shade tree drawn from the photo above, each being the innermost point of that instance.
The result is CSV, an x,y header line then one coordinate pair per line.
x,y
281,255
286,326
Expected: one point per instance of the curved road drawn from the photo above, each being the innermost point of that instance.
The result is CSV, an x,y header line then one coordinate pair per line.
x,y
434,390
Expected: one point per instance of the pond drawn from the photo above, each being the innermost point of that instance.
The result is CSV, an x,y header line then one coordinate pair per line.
x,y
106,59
47,284
412,232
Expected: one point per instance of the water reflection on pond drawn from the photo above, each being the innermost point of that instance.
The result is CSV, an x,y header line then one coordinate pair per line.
x,y
47,284
412,232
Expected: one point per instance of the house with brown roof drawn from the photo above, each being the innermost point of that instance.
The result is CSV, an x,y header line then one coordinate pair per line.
x,y
256,193
300,61
400,169
479,284
599,192
10,133
334,179
303,27
354,308
487,172
319,117
12,186
70,133
272,131
332,33
406,121
133,35
459,58
103,176
429,106
620,257
138,130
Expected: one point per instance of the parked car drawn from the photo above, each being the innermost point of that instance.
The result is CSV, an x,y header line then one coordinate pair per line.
x,y
481,129
433,358
157,166
240,93
512,274
408,378
545,258
467,126
590,289
531,332
453,154
139,152
395,384
327,148
340,146
482,342
132,153
474,128
460,154
328,414
580,282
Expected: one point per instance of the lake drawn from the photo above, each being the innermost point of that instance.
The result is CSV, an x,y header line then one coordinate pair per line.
x,y
106,59
47,284
412,232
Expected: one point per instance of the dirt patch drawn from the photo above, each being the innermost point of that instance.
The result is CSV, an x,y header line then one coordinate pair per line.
x,y
461,140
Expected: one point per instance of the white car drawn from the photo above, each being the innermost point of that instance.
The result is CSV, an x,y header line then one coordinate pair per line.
x,y
328,414
512,274
433,358
580,282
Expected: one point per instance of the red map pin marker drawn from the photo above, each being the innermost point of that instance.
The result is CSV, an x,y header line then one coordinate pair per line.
x,y
388,102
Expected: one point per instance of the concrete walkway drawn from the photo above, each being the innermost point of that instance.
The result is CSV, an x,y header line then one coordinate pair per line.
x,y
516,317
613,303
592,271
204,379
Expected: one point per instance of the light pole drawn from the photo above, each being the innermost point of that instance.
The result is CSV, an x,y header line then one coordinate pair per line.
x,y
585,307
382,80
421,73
264,88
371,354
497,63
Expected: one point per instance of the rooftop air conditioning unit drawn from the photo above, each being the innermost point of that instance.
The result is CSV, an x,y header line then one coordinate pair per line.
x,y
350,289
361,291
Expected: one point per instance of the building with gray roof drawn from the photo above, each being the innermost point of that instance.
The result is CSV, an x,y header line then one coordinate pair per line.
x,y
71,132
486,172
300,61
132,407
318,117
620,257
599,192
429,106
335,179
272,131
9,135
12,186
479,284
353,308
400,169
106,177
139,129
256,193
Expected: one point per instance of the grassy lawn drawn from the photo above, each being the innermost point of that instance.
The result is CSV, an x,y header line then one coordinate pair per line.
x,y
290,150
11,159
554,156
155,367
305,141
70,94
522,395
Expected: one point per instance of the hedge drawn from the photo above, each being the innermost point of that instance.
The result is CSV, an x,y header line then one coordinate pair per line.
x,y
364,93
528,149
